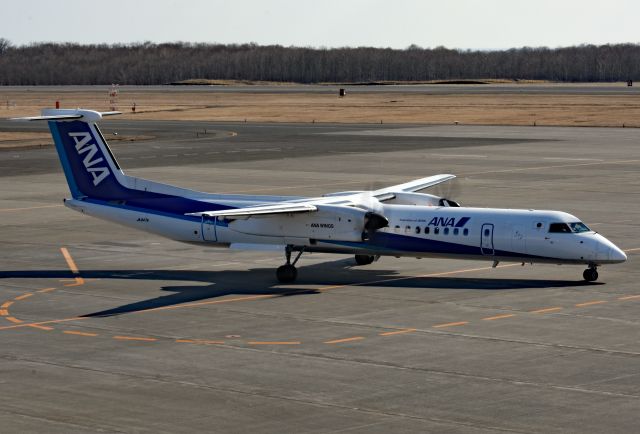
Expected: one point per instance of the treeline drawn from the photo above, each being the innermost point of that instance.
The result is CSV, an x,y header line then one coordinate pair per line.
x,y
148,63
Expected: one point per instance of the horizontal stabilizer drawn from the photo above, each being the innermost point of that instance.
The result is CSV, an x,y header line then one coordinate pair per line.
x,y
67,115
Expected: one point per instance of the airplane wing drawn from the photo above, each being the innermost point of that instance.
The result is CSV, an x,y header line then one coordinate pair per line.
x,y
281,208
412,186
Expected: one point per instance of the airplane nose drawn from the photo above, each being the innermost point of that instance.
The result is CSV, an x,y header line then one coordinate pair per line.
x,y
617,255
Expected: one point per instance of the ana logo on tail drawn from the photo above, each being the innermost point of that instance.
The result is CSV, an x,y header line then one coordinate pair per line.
x,y
91,149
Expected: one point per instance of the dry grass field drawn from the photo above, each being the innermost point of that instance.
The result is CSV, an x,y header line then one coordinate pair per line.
x,y
357,107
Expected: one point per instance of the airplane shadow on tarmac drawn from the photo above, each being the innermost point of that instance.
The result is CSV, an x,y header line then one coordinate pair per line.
x,y
261,281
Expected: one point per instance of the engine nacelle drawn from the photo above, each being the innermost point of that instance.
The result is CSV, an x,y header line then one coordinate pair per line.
x,y
330,222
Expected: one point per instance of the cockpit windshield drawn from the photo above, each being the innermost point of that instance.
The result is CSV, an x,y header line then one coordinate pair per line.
x,y
568,228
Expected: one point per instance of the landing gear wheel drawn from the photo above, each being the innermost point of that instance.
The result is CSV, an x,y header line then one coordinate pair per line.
x,y
590,274
364,259
287,273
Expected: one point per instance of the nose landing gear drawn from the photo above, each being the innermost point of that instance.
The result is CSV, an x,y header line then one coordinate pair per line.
x,y
590,274
288,272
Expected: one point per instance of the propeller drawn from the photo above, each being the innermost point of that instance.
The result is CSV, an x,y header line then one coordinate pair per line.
x,y
448,191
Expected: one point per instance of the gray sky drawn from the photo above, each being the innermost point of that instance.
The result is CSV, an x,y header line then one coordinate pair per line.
x,y
481,24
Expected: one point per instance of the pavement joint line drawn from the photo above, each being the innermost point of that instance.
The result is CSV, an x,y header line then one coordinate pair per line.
x,y
590,303
134,338
632,250
523,169
546,310
339,341
29,208
397,332
450,324
493,318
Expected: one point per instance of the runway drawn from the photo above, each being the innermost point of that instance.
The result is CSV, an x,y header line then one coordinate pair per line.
x,y
111,330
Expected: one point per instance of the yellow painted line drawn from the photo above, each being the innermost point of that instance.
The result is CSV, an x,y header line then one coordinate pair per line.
x,y
134,338
546,310
628,297
590,303
30,207
632,250
41,327
450,324
6,304
23,296
492,318
397,332
47,290
339,341
274,343
73,332
204,303
4,312
13,319
70,262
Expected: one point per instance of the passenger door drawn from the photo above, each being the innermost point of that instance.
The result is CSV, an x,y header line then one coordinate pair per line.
x,y
486,239
209,228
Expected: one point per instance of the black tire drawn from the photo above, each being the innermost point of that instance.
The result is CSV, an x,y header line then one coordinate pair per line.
x,y
286,273
590,275
364,259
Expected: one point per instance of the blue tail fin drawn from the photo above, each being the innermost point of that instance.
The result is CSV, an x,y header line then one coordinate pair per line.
x,y
88,164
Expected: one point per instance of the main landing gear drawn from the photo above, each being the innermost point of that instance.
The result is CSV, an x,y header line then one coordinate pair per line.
x,y
288,272
364,259
590,274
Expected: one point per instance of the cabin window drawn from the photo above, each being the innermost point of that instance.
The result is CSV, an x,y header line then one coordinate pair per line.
x,y
397,228
417,229
456,231
426,230
436,231
465,232
407,230
446,231
487,232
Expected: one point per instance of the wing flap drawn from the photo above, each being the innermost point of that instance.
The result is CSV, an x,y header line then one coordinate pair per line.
x,y
416,185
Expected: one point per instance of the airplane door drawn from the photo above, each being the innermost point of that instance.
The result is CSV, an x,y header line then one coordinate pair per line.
x,y
209,228
486,239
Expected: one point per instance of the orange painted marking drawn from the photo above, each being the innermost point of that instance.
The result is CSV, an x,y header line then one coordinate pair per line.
x,y
79,281
547,309
41,327
199,341
397,332
30,207
47,290
421,276
628,297
632,250
4,312
134,338
70,262
274,343
590,303
23,296
6,304
13,320
450,324
492,318
73,332
54,321
339,341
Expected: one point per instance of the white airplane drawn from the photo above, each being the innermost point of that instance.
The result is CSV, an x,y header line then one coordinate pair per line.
x,y
393,221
